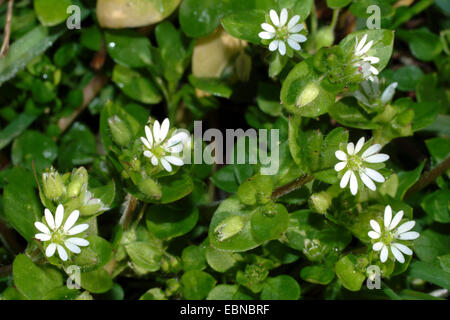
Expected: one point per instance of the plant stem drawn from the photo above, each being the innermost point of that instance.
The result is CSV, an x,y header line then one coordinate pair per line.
x,y
313,19
334,19
129,207
429,177
7,34
292,186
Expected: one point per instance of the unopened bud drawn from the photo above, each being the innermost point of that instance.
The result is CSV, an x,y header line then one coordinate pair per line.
x,y
320,202
309,94
324,37
77,180
229,227
121,134
52,184
150,188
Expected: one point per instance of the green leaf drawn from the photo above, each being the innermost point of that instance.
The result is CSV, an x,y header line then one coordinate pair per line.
x,y
65,54
430,273
52,12
91,38
348,113
245,25
197,284
15,128
153,294
424,44
359,8
95,256
269,98
78,147
135,85
430,245
97,281
231,176
129,48
222,292
32,281
221,261
281,288
170,222
214,86
425,113
317,274
407,77
381,48
436,205
336,4
406,179
302,92
21,205
145,255
269,223
347,272
193,258
439,148
199,18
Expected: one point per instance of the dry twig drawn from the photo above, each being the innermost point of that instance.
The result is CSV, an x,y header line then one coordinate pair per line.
x,y
7,33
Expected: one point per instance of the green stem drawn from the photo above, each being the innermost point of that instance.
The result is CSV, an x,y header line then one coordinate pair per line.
x,y
334,19
314,22
292,186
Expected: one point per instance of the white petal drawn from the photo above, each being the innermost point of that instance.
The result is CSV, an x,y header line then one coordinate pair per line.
x,y
178,138
267,27
174,160
353,184
367,181
266,35
154,161
59,215
397,254
402,248
406,227
274,18
50,251
42,236
149,135
412,235
372,59
374,175
387,216
283,17
377,158
298,37
62,252
71,220
384,254
371,150
350,148
361,43
396,220
340,165
145,142
359,145
293,22
166,165
274,45
374,235
388,93
282,48
297,28
72,247
293,44
164,129
78,229
42,227
345,179
374,70
78,241
148,154
175,149
341,155
375,226
49,218
366,47
377,246
156,131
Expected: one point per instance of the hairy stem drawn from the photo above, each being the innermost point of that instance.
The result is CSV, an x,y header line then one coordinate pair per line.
x,y
429,177
129,206
292,186
7,34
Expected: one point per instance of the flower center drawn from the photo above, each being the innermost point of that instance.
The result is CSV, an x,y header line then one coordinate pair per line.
x,y
58,236
158,151
387,237
354,163
282,33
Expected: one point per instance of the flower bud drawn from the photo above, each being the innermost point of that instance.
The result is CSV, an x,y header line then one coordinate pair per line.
x,y
243,66
229,227
320,202
52,184
309,94
324,37
150,188
121,134
78,179
247,193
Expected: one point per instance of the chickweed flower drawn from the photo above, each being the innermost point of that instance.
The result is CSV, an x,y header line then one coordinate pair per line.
x,y
391,238
58,235
357,164
370,95
161,150
282,33
362,61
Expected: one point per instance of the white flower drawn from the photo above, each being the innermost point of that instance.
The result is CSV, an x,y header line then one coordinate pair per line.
x,y
370,95
59,235
362,61
90,201
282,33
357,164
162,150
389,237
